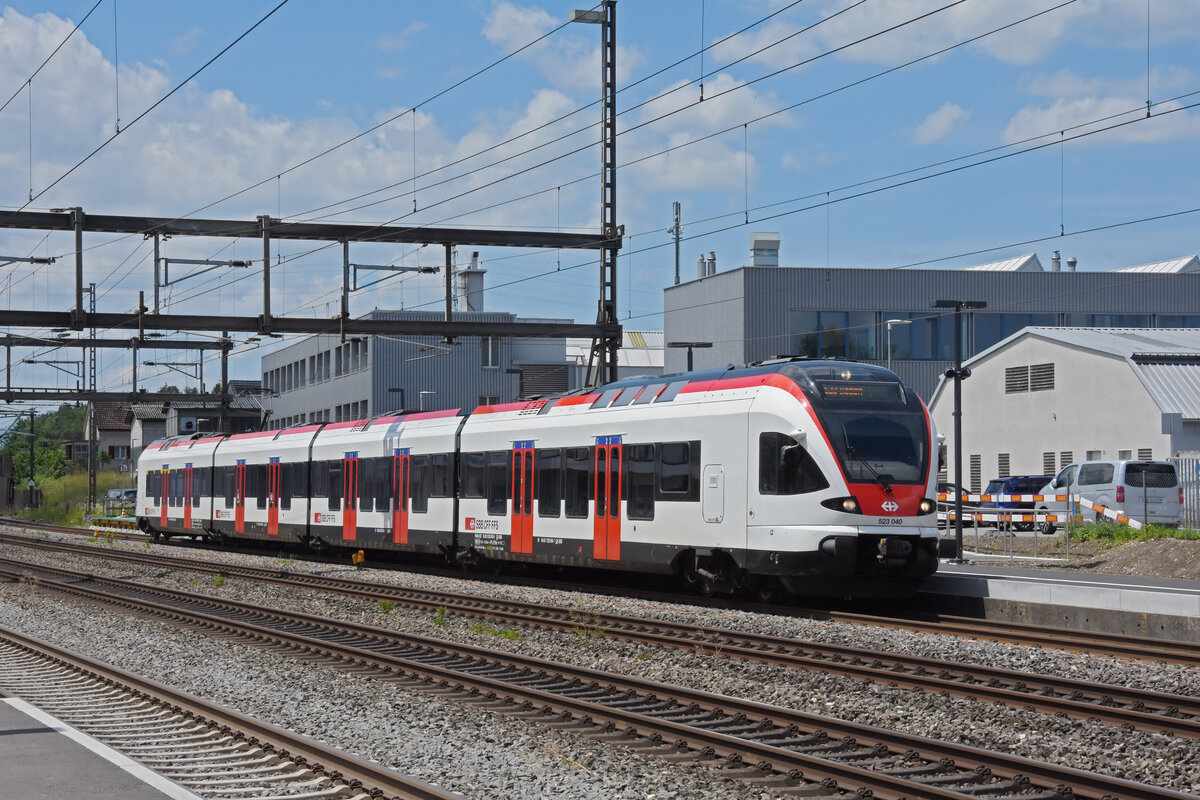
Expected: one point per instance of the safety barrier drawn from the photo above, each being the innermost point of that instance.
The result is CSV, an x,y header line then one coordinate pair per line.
x,y
1001,515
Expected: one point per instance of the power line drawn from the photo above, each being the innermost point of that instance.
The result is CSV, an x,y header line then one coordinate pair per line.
x,y
52,54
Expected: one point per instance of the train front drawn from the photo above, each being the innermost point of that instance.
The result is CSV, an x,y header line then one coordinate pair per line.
x,y
867,524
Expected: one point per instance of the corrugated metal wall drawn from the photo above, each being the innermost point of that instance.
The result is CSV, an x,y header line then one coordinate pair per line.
x,y
1188,468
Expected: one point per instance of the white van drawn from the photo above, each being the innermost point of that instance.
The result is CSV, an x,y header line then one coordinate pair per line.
x,y
1147,491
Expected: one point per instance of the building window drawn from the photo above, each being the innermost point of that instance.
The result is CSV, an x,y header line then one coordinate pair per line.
x,y
839,334
1041,377
1002,465
1016,380
488,399
976,473
1094,455
1065,458
489,348
1048,464
1125,455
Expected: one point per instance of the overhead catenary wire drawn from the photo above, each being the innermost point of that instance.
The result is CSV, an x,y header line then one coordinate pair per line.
x,y
52,54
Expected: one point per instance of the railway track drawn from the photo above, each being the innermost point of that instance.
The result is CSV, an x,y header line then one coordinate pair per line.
x,y
1137,708
790,751
1090,642
214,752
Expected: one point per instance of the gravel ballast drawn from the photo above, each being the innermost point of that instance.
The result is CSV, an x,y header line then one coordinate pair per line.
x,y
481,754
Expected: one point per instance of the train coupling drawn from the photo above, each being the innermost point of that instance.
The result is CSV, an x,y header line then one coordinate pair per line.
x,y
893,551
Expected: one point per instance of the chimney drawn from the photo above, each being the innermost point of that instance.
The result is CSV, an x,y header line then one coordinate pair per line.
x,y
764,249
1056,262
1072,262
712,263
700,268
471,285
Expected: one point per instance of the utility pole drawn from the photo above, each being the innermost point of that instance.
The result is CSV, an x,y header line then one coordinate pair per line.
x,y
93,456
30,483
676,230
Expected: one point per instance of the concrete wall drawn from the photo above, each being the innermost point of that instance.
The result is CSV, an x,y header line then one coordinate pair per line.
x,y
1097,404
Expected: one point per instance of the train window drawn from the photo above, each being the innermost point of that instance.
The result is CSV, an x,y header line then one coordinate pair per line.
x,y
177,488
577,481
497,483
152,486
368,469
260,483
649,393
549,483
674,468
334,486
606,397
203,484
419,484
383,483
639,469
473,470
227,480
439,479
299,483
785,467
197,486
668,394
628,396
320,478
285,484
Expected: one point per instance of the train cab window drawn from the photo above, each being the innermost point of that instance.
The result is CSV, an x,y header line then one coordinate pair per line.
x,y
439,475
577,481
548,481
473,474
639,472
333,488
497,483
785,467
668,394
649,393
419,484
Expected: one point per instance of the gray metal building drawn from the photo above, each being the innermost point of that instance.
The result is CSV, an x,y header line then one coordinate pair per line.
x,y
761,311
323,379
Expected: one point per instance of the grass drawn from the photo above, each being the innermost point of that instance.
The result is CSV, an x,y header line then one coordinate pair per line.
x,y
386,606
499,633
1114,533
439,618
64,499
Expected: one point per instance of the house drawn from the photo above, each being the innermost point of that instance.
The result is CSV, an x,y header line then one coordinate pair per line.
x,y
112,436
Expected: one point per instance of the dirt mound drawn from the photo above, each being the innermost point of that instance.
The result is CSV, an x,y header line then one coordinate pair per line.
x,y
1159,558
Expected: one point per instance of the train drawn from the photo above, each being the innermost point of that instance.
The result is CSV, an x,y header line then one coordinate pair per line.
x,y
810,477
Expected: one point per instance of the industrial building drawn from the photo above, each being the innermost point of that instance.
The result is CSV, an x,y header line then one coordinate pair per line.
x,y
883,316
1045,397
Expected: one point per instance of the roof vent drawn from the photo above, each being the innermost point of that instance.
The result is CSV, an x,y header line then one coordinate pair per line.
x,y
764,249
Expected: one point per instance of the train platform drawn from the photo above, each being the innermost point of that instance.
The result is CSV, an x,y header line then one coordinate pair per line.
x,y
1131,604
43,758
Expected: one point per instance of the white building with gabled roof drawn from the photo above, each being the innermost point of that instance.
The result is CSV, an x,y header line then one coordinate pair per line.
x,y
1044,397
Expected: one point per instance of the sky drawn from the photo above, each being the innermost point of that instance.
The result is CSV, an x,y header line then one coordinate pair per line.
x,y
867,133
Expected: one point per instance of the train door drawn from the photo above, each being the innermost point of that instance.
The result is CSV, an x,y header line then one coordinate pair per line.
x,y
274,484
712,495
164,491
521,540
606,537
187,496
239,496
401,484
350,497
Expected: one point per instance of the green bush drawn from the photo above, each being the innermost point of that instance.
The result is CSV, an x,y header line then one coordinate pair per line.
x,y
1115,533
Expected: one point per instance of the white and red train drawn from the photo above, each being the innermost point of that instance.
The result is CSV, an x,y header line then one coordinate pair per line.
x,y
817,476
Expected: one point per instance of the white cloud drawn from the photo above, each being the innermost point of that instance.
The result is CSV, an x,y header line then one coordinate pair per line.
x,y
779,46
940,123
1065,114
186,42
391,42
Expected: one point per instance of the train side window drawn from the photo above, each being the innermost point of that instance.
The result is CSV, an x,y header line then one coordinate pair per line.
x,y
577,481
606,397
668,394
260,484
203,483
334,487
497,483
286,471
549,482
473,474
177,488
368,469
382,494
439,479
419,484
299,483
785,467
320,479
649,393
639,471
674,476
197,485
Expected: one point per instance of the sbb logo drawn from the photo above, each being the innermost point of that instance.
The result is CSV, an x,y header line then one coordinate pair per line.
x,y
891,506
470,523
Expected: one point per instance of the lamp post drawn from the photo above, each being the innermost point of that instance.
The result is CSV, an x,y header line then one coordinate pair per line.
x,y
958,375
690,346
890,323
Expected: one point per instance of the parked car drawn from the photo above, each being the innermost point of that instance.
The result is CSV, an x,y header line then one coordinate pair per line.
x,y
1019,484
1147,491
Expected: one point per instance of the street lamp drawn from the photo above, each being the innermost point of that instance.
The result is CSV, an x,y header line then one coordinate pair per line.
x,y
690,346
890,323
958,375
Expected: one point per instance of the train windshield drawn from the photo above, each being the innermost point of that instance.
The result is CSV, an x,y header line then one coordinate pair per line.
x,y
876,424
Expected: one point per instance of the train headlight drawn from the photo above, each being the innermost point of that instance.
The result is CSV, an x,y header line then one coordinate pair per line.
x,y
927,506
848,505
